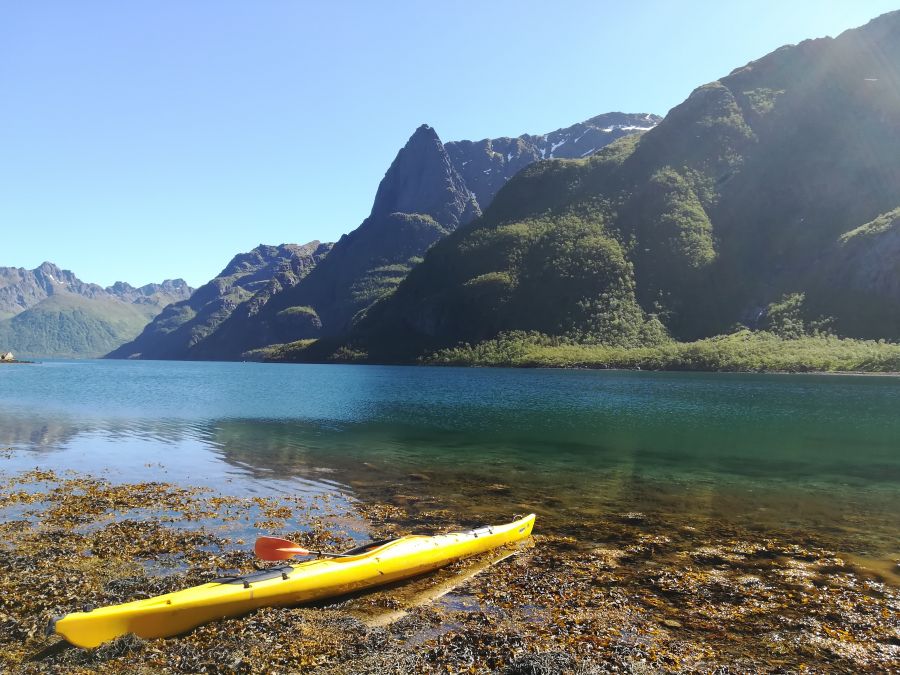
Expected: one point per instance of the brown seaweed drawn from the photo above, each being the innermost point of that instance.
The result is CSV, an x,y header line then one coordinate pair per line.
x,y
641,595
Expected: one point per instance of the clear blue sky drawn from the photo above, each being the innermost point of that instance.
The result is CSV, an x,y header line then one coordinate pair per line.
x,y
146,140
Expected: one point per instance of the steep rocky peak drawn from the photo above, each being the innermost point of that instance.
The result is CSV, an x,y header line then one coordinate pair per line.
x,y
422,180
48,267
48,271
423,134
53,279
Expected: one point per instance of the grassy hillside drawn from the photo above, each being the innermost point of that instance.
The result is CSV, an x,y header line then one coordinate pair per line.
x,y
71,326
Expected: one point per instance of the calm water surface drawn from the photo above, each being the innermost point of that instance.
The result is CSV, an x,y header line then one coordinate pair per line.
x,y
816,455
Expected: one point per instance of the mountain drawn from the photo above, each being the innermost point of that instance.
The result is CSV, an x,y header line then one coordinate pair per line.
x,y
235,295
429,190
423,180
420,199
780,180
50,312
487,165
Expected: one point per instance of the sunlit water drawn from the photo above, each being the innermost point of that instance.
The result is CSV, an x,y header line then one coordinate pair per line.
x,y
811,454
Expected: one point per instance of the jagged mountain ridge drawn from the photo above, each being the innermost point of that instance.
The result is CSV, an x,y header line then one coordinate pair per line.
x,y
21,289
245,284
779,179
487,165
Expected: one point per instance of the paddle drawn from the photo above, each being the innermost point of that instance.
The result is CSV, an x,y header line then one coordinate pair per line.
x,y
275,548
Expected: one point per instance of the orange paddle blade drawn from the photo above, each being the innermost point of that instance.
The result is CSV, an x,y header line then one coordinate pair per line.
x,y
275,548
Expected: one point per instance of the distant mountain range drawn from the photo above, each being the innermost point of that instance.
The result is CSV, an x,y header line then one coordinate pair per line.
x,y
49,312
430,190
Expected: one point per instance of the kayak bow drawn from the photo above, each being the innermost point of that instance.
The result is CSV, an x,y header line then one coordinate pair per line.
x,y
285,585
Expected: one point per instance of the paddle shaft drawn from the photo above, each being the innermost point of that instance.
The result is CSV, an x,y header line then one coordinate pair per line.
x,y
326,554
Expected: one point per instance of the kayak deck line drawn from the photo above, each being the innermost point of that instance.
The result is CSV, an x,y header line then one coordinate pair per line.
x,y
372,564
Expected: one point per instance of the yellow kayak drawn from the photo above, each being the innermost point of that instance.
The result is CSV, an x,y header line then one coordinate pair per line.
x,y
363,567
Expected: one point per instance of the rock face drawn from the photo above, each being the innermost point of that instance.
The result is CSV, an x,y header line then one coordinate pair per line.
x,y
861,275
423,180
779,179
49,312
241,288
487,165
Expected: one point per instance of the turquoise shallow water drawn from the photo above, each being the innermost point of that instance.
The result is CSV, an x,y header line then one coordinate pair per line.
x,y
816,454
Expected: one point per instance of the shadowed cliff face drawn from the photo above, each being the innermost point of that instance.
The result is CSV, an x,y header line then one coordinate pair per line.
x,y
780,178
246,282
423,180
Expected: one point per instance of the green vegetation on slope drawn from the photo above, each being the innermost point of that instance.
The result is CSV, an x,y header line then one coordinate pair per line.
x,y
743,206
70,326
753,351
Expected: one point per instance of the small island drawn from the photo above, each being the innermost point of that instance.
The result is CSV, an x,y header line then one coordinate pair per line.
x,y
9,357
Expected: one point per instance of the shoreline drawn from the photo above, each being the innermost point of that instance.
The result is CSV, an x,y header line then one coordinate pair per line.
x,y
645,593
744,351
619,369
878,373
500,366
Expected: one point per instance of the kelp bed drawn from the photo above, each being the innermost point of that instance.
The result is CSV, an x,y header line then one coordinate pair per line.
x,y
643,596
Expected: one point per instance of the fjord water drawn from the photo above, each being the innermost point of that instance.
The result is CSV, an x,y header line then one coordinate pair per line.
x,y
817,456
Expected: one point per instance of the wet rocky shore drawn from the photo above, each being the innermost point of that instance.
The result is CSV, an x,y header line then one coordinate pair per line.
x,y
611,592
